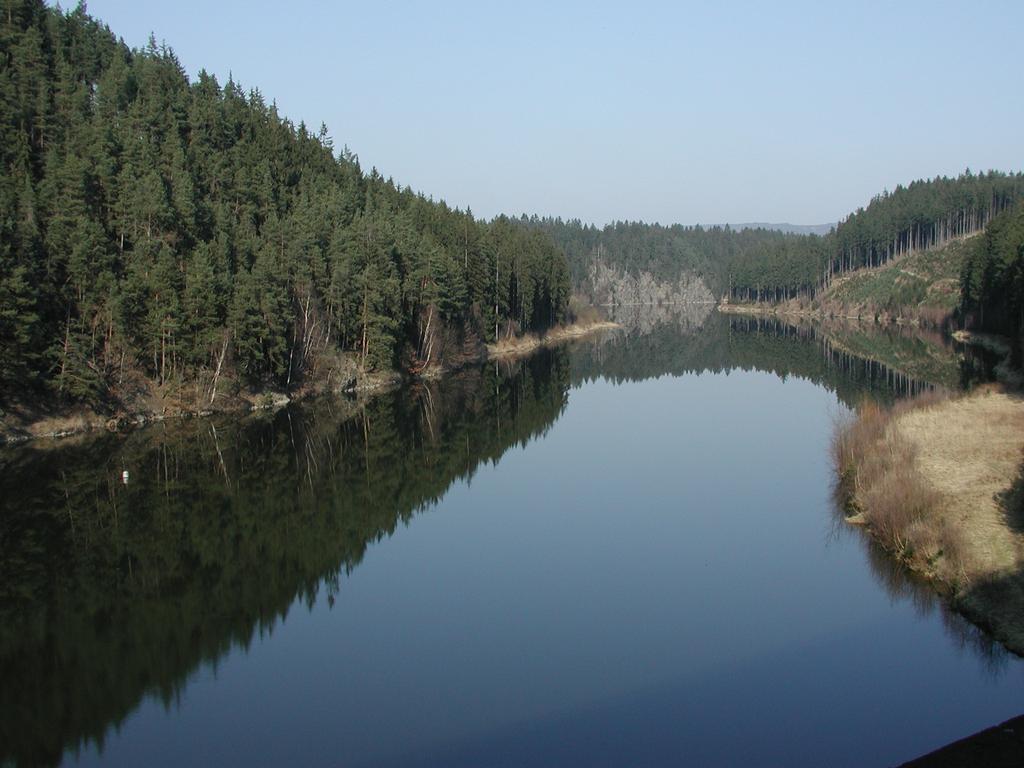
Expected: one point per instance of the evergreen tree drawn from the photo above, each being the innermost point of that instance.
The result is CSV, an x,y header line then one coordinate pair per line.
x,y
163,228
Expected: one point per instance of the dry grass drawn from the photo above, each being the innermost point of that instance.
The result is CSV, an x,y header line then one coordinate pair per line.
x,y
522,345
80,420
29,424
970,453
930,478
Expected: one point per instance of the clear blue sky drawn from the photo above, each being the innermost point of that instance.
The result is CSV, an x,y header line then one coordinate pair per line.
x,y
672,112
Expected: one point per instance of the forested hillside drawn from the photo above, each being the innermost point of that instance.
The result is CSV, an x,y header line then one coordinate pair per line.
x,y
910,219
765,265
163,231
922,287
175,231
922,215
664,252
992,279
976,281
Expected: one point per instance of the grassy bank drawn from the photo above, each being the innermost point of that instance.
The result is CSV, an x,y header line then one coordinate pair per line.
x,y
524,345
938,482
921,288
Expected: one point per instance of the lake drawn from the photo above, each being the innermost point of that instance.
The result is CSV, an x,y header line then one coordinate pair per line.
x,y
620,552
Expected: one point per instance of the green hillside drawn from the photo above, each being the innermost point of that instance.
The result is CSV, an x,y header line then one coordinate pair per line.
x,y
184,234
923,286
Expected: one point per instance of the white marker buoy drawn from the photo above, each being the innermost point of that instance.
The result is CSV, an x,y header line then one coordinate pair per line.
x,y
124,477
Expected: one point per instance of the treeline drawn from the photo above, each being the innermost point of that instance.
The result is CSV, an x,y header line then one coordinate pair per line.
x,y
184,230
992,279
924,214
788,269
665,252
764,265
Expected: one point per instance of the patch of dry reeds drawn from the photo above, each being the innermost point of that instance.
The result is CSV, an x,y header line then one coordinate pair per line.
x,y
882,486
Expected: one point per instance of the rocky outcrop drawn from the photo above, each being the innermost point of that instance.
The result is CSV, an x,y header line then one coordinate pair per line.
x,y
613,287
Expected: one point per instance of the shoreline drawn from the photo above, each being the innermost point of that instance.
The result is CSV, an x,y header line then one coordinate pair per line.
x,y
528,343
939,484
820,315
81,420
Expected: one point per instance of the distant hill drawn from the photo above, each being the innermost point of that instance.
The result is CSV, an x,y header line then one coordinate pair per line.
x,y
789,229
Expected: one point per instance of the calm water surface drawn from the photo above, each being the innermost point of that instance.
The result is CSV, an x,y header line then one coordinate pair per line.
x,y
620,553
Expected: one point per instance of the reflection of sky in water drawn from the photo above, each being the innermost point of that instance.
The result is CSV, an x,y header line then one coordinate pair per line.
x,y
656,580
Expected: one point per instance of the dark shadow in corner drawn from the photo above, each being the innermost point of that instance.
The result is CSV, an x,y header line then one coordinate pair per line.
x,y
1012,502
997,604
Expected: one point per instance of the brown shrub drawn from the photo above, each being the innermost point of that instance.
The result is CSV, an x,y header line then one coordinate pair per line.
x,y
853,445
896,502
582,312
880,481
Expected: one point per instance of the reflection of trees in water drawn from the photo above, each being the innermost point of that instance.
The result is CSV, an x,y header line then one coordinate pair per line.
x,y
865,367
638,319
110,592
697,342
725,343
903,585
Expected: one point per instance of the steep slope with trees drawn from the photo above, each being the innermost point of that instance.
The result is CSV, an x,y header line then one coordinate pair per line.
x,y
992,277
180,235
920,288
923,215
975,280
761,265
